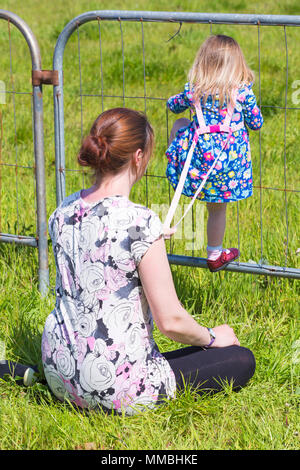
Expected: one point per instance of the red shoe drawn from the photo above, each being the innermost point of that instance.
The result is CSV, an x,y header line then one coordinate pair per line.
x,y
223,260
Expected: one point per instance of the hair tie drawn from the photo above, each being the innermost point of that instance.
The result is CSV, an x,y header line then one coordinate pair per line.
x,y
102,142
103,147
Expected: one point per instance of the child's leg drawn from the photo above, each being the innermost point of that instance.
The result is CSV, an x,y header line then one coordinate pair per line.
x,y
216,224
182,122
217,257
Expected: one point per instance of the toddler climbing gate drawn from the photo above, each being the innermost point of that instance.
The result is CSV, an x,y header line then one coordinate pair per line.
x,y
119,48
227,128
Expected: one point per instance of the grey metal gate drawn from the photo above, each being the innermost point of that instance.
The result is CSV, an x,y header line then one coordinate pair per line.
x,y
142,18
40,240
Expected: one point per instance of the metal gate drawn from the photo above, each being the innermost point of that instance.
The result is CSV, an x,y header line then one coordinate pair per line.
x,y
12,148
93,81
287,238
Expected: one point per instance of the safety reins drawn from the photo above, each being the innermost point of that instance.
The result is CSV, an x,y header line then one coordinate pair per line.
x,y
226,127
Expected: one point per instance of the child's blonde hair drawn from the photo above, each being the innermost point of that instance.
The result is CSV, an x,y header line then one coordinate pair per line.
x,y
219,67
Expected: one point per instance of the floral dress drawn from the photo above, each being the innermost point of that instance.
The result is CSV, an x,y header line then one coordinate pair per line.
x,y
231,179
97,345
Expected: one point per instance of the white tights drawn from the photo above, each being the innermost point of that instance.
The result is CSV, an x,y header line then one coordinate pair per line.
x,y
216,224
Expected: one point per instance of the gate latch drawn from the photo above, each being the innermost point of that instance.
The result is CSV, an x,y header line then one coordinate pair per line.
x,y
45,77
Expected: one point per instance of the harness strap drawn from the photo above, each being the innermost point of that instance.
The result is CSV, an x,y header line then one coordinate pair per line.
x,y
225,126
202,129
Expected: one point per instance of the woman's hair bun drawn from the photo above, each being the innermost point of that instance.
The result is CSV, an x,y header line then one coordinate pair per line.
x,y
113,139
93,151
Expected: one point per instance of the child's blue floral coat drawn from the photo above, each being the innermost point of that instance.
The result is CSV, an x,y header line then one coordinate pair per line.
x,y
231,179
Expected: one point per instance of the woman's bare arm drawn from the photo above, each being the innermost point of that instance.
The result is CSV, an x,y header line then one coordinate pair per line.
x,y
169,315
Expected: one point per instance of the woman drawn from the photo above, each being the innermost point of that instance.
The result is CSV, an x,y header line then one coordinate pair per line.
x,y
113,278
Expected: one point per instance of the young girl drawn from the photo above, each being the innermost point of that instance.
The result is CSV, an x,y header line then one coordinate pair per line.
x,y
113,279
220,97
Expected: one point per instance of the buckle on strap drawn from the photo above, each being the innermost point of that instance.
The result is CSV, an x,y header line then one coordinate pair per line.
x,y
214,128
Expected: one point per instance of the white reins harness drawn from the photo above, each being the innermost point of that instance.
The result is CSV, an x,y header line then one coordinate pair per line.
x,y
226,127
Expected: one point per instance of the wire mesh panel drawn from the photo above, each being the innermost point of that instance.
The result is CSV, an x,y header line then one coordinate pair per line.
x,y
22,177
138,60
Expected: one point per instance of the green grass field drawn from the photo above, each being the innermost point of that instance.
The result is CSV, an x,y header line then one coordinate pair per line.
x,y
263,311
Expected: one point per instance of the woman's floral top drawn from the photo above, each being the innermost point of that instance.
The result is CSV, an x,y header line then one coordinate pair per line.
x,y
97,345
231,179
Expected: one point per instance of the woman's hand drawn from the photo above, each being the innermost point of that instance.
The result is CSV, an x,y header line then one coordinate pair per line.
x,y
225,336
168,232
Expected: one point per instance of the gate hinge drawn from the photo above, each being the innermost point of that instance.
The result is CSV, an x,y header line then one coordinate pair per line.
x,y
45,77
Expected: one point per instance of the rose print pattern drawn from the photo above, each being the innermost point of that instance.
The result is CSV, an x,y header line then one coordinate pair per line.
x,y
231,179
97,345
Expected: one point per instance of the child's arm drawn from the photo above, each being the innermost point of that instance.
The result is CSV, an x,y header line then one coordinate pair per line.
x,y
178,103
252,114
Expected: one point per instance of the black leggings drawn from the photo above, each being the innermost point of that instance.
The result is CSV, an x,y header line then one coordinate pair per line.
x,y
206,370
15,370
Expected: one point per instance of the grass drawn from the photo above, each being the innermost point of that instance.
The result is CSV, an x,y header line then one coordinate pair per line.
x,y
263,311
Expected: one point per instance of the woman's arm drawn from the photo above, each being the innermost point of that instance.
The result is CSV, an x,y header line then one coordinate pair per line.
x,y
169,315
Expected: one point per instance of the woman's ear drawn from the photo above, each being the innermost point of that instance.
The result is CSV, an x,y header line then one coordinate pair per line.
x,y
137,157
138,164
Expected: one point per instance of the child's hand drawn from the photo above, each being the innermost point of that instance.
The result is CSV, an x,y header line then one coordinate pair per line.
x,y
168,232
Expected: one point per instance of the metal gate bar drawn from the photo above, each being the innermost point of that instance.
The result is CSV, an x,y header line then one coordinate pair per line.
x,y
40,241
206,18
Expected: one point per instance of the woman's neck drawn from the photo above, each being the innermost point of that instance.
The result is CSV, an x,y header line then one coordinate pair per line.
x,y
119,185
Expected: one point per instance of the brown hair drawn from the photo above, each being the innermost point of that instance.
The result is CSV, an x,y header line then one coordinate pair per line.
x,y
113,139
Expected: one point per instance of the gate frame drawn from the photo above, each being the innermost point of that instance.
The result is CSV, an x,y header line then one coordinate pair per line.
x,y
154,16
41,239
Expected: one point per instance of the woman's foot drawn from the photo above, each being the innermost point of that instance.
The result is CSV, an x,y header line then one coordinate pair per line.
x,y
226,257
24,375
